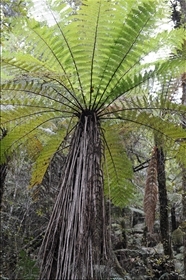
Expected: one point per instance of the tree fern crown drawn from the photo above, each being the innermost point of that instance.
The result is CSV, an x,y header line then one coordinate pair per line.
x,y
88,62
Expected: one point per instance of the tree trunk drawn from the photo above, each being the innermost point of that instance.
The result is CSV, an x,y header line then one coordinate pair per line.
x,y
76,243
3,170
184,217
183,168
181,22
173,219
164,222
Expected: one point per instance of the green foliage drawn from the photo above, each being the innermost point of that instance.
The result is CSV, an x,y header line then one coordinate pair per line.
x,y
45,156
91,59
10,10
26,267
117,168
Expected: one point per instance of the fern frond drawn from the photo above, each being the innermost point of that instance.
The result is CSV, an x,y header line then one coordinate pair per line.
x,y
151,192
17,115
45,156
173,67
117,168
172,135
154,122
95,53
35,90
179,151
19,133
147,103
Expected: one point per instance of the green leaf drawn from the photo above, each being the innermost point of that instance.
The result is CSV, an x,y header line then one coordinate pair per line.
x,y
117,168
45,156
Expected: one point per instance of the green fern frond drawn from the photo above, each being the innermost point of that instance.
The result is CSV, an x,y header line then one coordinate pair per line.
x,y
19,133
167,67
117,169
45,156
156,123
180,152
169,131
156,105
23,64
17,115
34,92
101,58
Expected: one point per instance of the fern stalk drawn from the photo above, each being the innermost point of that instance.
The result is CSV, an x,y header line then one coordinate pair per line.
x,y
77,235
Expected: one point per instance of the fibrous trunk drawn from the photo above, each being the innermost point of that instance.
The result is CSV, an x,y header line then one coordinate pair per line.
x,y
183,168
164,219
76,243
3,171
151,191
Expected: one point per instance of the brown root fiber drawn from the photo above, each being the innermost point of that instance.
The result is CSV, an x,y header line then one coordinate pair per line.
x,y
76,243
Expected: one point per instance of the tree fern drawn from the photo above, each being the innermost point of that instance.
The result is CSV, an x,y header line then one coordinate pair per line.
x,y
79,74
151,191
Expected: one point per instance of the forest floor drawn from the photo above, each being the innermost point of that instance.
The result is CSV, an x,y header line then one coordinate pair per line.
x,y
141,255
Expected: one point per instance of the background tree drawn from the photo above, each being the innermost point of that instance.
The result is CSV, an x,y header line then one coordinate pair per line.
x,y
3,170
75,80
179,19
